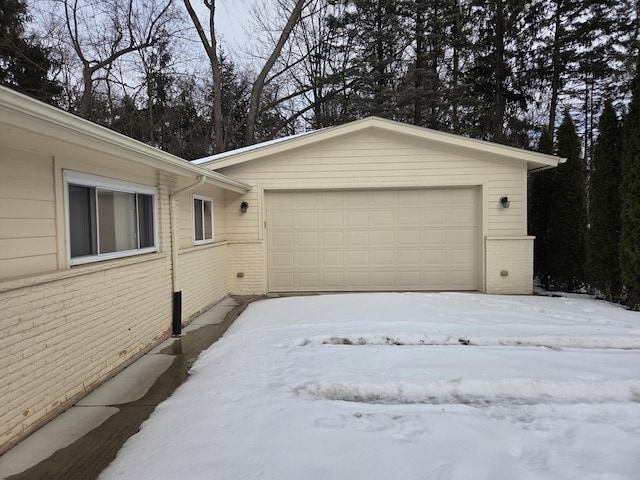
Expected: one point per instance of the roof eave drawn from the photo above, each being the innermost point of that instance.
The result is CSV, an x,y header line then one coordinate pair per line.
x,y
19,106
534,160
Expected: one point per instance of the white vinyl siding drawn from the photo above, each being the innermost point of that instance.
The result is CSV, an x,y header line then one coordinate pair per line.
x,y
379,159
107,218
351,240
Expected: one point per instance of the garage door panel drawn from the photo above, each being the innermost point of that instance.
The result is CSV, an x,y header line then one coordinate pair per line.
x,y
382,198
465,196
279,219
282,240
332,199
357,218
408,216
284,259
307,219
357,258
410,257
462,216
434,236
333,258
354,199
308,200
408,238
332,218
358,238
332,239
282,280
334,278
408,198
434,197
462,236
383,258
308,259
383,238
359,280
418,239
307,239
433,217
383,218
308,280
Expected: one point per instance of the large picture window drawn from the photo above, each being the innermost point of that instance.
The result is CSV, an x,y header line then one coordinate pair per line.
x,y
202,219
108,218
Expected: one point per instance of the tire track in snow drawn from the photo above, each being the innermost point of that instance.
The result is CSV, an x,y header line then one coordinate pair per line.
x,y
548,341
476,393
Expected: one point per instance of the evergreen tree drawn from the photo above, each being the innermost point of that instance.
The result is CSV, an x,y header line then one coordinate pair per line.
x,y
567,220
603,238
540,193
379,31
630,199
24,63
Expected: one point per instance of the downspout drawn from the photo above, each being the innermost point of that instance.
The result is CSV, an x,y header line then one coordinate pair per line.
x,y
177,293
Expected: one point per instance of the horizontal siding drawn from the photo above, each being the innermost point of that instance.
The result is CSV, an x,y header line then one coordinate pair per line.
x,y
386,161
243,227
27,213
22,266
185,216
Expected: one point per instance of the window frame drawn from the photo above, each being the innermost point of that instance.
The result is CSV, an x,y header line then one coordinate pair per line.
x,y
203,199
114,185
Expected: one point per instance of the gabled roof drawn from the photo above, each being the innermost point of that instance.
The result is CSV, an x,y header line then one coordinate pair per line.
x,y
20,111
534,160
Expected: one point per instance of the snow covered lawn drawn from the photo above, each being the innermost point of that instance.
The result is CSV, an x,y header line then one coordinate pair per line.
x,y
405,386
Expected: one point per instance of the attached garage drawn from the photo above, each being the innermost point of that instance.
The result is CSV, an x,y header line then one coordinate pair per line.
x,y
379,205
370,240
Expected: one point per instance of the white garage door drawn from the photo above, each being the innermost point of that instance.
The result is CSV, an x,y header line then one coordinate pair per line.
x,y
418,239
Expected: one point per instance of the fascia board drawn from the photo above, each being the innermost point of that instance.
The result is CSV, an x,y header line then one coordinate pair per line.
x,y
18,110
534,160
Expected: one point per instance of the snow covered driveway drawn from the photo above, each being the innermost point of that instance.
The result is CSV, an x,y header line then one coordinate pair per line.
x,y
405,386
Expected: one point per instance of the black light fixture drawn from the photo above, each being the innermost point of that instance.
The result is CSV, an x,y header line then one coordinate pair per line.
x,y
504,201
244,206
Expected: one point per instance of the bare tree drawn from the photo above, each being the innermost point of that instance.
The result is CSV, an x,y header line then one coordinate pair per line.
x,y
101,32
207,34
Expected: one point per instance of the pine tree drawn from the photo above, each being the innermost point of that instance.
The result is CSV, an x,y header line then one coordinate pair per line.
x,y
24,64
567,220
541,188
630,199
603,238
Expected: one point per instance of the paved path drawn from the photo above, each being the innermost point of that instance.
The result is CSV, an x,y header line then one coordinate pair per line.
x,y
82,441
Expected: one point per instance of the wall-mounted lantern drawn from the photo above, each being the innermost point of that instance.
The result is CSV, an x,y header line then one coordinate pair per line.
x,y
504,201
244,206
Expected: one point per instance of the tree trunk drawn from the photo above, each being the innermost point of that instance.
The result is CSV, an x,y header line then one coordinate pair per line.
x,y
258,84
500,74
555,69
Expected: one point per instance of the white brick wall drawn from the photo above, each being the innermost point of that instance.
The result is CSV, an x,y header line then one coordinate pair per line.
x,y
247,258
513,255
63,333
203,277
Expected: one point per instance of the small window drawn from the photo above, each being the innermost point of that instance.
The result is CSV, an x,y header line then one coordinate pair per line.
x,y
108,218
202,219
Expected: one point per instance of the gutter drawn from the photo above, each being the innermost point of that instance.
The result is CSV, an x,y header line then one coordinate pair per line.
x,y
20,111
177,293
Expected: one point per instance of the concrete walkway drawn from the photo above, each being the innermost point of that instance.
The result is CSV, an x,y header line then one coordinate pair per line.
x,y
82,441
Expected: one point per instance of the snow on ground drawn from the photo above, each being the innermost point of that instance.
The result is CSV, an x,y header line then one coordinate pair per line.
x,y
405,386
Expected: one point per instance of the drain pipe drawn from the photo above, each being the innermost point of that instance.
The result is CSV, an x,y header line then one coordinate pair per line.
x,y
177,293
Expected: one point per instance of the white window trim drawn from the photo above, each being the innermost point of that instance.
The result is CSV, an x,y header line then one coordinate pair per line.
x,y
88,180
208,240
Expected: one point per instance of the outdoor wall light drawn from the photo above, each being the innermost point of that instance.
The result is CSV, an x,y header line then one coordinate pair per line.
x,y
504,201
244,206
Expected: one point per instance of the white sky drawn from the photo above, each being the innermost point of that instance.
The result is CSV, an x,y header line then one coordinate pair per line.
x,y
381,386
